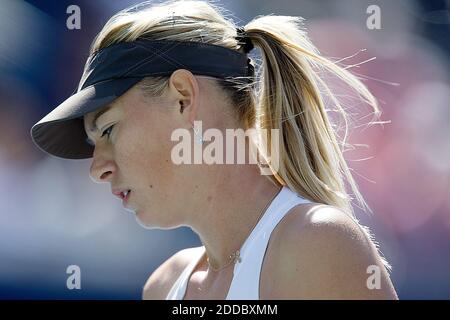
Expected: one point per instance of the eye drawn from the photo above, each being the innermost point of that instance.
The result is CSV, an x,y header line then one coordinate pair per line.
x,y
107,131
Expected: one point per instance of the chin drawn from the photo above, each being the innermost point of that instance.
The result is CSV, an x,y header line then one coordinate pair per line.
x,y
145,224
147,221
132,210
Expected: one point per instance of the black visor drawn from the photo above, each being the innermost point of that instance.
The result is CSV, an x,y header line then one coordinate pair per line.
x,y
112,71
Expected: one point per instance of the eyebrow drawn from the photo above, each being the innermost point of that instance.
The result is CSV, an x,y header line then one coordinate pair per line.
x,y
93,125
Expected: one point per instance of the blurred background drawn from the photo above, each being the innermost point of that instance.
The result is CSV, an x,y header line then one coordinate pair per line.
x,y
53,216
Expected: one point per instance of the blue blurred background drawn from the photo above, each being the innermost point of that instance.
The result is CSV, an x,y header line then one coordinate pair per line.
x,y
52,215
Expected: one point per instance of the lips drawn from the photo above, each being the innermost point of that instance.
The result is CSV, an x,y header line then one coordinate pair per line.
x,y
122,194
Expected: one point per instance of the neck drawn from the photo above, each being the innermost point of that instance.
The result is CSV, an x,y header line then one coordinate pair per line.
x,y
235,205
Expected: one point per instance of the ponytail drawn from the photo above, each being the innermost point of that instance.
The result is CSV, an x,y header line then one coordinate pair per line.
x,y
311,160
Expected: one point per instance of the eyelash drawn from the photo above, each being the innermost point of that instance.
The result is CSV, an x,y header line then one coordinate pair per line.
x,y
107,131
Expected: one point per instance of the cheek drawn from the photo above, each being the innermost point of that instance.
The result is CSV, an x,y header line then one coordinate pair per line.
x,y
144,154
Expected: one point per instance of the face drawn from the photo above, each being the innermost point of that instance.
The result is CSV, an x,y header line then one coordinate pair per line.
x,y
133,150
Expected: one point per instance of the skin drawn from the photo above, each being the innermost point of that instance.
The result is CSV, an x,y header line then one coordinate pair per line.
x,y
137,155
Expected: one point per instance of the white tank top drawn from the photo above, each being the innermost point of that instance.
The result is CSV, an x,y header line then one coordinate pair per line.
x,y
245,282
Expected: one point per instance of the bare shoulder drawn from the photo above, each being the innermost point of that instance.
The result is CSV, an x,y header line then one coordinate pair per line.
x,y
320,252
163,278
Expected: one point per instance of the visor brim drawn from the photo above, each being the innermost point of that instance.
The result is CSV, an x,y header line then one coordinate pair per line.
x,y
61,132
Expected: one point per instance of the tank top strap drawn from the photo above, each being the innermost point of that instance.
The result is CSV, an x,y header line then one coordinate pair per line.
x,y
246,274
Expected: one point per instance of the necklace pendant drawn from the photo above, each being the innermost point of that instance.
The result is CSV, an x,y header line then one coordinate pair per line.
x,y
236,257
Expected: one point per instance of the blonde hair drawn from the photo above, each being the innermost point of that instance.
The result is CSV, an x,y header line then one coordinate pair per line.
x,y
288,94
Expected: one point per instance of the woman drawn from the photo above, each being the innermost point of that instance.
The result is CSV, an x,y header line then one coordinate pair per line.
x,y
157,69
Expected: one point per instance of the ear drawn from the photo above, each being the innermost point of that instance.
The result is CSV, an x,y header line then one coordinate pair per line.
x,y
184,90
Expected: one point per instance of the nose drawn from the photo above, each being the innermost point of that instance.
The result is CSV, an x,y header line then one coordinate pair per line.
x,y
102,168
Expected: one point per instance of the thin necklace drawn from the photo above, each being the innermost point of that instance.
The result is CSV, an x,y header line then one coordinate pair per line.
x,y
235,256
